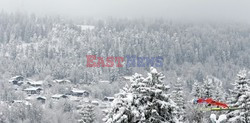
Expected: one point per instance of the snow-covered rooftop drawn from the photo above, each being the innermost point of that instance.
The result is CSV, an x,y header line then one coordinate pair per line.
x,y
128,77
32,88
61,81
104,81
78,91
95,102
41,97
57,96
22,101
36,82
29,98
73,98
15,78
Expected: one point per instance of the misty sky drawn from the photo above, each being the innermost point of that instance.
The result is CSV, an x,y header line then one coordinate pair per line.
x,y
222,10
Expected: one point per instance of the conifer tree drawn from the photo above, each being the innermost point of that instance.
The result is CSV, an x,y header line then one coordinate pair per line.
x,y
87,114
208,88
240,98
145,101
196,90
177,96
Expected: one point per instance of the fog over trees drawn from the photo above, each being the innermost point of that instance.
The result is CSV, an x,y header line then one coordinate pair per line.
x,y
44,76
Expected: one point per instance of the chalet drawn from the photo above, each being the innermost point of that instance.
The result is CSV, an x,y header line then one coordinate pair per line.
x,y
21,102
33,90
17,101
104,82
29,98
108,99
35,83
59,96
41,99
94,102
79,93
127,78
17,80
62,81
74,99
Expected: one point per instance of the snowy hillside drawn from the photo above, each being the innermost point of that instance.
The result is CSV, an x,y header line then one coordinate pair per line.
x,y
44,76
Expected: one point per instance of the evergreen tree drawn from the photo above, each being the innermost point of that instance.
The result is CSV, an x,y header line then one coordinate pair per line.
x,y
145,101
194,115
87,114
240,98
177,96
219,93
196,90
208,88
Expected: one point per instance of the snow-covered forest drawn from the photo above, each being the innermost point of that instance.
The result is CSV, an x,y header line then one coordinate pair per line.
x,y
44,77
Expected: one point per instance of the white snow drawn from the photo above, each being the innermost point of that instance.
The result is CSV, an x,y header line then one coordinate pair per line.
x,y
32,88
74,90
222,118
86,27
57,95
153,70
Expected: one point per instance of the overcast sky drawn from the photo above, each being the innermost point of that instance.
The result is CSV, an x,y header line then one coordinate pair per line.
x,y
223,10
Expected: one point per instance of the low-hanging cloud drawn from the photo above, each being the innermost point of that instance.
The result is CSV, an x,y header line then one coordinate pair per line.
x,y
236,10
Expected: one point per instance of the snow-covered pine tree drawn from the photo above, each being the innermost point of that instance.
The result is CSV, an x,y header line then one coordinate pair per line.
x,y
177,96
240,98
145,101
87,114
196,90
212,88
208,88
219,94
194,115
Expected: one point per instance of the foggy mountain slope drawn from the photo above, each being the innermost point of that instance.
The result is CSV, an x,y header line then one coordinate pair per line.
x,y
124,61
51,41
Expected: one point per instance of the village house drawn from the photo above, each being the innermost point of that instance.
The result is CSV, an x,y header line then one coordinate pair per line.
x,y
59,96
108,99
41,99
17,101
33,90
35,83
21,102
79,93
62,81
104,82
127,78
74,99
95,102
30,98
17,80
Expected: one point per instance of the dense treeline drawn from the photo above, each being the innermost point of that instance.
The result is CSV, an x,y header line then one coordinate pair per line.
x,y
206,56
43,47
